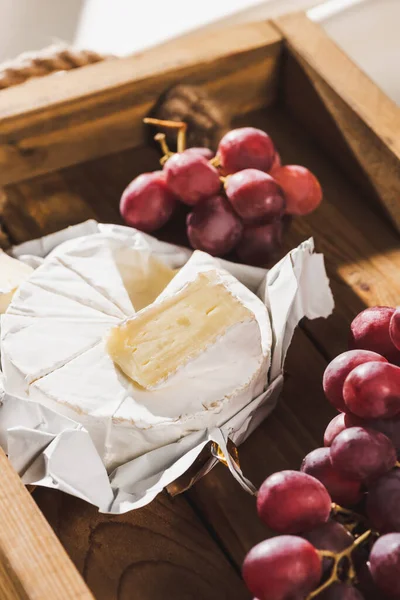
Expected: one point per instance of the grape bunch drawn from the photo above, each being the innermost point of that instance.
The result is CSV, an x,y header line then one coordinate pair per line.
x,y
338,518
237,199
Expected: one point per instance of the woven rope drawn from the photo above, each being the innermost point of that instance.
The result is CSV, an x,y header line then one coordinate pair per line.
x,y
53,59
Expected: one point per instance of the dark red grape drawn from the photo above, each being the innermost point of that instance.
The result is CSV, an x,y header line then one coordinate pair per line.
x,y
384,563
213,226
383,502
337,371
340,591
147,203
204,152
260,245
302,190
366,584
372,390
255,196
370,331
362,453
334,427
342,489
246,148
394,329
389,427
293,502
329,536
281,568
191,177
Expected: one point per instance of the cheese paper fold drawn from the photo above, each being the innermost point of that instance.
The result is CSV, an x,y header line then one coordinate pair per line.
x,y
49,449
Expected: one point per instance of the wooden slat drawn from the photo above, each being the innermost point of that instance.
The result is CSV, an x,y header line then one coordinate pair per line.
x,y
33,563
58,121
368,120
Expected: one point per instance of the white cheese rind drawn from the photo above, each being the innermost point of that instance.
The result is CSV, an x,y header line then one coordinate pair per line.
x,y
12,274
73,374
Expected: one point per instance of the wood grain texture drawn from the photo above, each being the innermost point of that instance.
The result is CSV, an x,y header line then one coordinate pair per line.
x,y
367,119
94,111
160,551
33,564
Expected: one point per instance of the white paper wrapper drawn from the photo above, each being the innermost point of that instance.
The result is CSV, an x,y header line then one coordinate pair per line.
x,y
49,449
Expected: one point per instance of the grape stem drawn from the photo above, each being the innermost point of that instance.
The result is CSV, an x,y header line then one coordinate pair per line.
x,y
397,464
337,557
179,125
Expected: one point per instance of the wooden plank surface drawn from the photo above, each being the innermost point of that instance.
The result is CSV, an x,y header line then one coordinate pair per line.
x,y
61,120
33,563
366,118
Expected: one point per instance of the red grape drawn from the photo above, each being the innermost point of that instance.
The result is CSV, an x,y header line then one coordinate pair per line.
x,y
259,245
191,177
337,371
370,331
255,196
394,329
383,502
342,489
147,203
281,568
329,536
362,453
213,226
340,591
276,163
384,562
372,390
293,502
334,427
389,427
200,151
246,148
301,188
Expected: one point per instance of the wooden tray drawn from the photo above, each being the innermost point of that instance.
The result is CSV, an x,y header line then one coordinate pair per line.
x,y
68,147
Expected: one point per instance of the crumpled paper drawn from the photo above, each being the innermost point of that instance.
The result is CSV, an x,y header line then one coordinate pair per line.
x,y
51,450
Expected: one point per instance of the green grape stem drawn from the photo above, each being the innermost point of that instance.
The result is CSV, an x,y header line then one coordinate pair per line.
x,y
337,557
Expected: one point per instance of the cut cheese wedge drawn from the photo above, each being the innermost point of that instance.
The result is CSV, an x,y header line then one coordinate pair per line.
x,y
12,273
151,346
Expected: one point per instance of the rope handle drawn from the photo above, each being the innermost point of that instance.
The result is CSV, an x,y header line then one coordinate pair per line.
x,y
53,59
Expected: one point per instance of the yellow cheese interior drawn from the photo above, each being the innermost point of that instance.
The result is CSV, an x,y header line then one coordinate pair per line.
x,y
12,273
156,342
144,276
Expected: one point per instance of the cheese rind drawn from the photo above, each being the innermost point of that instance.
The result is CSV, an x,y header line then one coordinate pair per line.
x,y
151,346
12,273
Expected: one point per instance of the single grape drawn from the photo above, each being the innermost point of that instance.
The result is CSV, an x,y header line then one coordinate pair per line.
x,y
213,226
255,196
281,568
200,151
301,188
260,245
276,163
293,502
362,453
245,148
342,489
372,390
340,591
191,177
383,502
384,562
370,331
389,427
147,203
394,328
337,371
334,427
